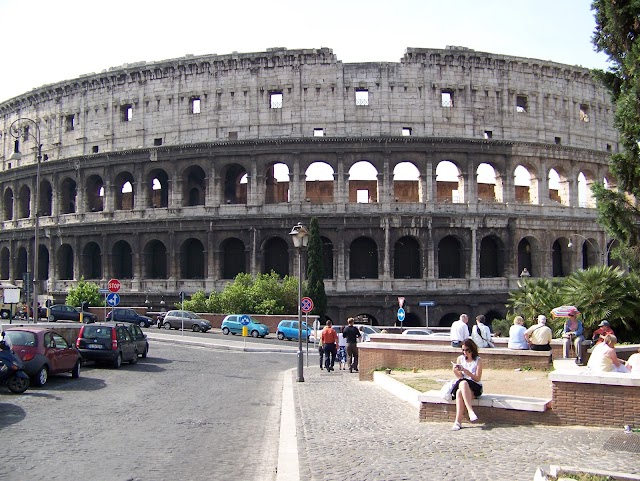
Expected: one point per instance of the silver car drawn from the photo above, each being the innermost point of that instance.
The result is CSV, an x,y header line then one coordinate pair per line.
x,y
185,320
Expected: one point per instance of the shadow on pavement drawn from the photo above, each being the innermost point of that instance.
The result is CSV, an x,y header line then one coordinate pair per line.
x,y
10,414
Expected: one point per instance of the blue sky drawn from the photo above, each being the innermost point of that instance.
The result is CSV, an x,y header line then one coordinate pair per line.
x,y
46,41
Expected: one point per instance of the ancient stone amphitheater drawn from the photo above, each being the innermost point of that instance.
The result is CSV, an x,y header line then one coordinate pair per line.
x,y
439,178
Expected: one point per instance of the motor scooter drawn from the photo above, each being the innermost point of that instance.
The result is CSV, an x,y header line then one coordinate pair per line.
x,y
11,369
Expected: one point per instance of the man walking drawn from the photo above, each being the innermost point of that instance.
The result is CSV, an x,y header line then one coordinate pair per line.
x,y
351,334
459,331
329,338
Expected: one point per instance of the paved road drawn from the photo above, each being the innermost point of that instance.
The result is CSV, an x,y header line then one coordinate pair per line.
x,y
184,413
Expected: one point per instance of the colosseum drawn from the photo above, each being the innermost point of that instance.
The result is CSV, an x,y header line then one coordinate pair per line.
x,y
439,179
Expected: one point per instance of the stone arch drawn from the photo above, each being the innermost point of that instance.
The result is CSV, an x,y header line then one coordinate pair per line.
x,y
276,257
68,196
363,183
45,202
235,190
65,262
586,178
91,266
122,260
124,191
449,183
327,257
558,186
526,185
529,257
488,184
94,186
194,187
21,263
446,320
491,257
155,260
24,202
319,178
5,263
277,182
7,204
363,258
451,258
233,258
406,183
407,259
43,262
192,259
560,258
157,189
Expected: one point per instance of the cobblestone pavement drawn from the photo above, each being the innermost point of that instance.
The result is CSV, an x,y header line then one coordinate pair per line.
x,y
354,430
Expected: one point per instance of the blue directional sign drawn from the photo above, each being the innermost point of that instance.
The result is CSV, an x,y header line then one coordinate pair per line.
x,y
427,303
113,299
245,320
103,291
401,314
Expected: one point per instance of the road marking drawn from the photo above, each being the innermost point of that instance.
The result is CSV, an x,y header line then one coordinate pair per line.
x,y
288,467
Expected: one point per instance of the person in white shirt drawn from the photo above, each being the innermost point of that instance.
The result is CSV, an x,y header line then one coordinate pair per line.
x,y
459,331
516,334
481,333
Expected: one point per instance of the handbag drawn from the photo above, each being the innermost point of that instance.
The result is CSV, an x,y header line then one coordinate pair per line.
x,y
447,389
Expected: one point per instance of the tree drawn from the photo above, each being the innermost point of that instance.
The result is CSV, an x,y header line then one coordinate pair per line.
x,y
315,271
84,291
616,34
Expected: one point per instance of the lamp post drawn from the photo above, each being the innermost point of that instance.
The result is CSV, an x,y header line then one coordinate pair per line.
x,y
603,257
300,236
20,128
524,275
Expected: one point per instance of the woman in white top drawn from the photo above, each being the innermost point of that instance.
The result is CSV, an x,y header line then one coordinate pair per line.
x,y
342,350
468,370
481,334
516,334
603,357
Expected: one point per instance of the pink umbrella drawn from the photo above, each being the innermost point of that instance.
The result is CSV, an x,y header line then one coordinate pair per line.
x,y
564,311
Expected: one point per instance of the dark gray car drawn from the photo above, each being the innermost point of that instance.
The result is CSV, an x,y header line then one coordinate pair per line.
x,y
186,319
120,314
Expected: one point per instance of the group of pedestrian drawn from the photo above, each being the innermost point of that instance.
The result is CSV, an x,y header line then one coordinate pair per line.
x,y
480,332
342,346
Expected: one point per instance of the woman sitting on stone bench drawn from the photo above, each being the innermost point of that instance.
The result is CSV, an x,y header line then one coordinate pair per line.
x,y
603,357
468,370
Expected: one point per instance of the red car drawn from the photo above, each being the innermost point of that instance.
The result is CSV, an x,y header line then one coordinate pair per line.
x,y
43,352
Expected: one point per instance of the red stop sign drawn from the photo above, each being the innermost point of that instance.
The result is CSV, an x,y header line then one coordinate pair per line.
x,y
114,285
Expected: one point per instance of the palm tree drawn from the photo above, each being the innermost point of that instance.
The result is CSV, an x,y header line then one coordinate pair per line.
x,y
534,297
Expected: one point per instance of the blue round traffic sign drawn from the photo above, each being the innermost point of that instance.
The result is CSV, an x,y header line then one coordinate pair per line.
x,y
401,314
245,320
113,299
306,304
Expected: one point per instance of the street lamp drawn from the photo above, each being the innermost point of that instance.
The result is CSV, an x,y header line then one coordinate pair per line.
x,y
603,256
524,275
300,236
20,128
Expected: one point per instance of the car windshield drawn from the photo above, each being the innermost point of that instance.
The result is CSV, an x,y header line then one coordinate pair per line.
x,y
21,338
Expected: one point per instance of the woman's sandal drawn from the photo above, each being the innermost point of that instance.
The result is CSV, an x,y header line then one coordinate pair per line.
x,y
456,426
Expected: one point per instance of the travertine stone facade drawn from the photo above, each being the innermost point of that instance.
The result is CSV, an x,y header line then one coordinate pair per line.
x,y
166,175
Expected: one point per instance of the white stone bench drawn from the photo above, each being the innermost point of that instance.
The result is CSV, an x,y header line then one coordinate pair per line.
x,y
499,401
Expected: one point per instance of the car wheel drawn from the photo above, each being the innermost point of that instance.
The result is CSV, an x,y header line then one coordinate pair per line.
x,y
142,324
281,336
146,351
167,326
4,314
225,331
40,378
52,319
195,328
134,359
255,334
17,385
118,361
75,373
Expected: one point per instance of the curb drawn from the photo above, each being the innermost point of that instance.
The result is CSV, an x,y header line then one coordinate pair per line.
x,y
218,345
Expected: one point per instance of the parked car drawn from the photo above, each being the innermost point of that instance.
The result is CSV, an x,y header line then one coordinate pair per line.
x,y
417,332
366,331
289,330
120,314
139,338
190,320
62,312
43,352
107,342
231,324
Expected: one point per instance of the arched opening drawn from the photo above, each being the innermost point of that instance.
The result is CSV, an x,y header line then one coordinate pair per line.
x,y
68,194
155,256
5,263
327,258
491,257
276,257
363,183
406,183
525,258
526,186
157,187
448,319
124,183
91,261
46,199
233,258
363,259
122,260
192,261
558,187
65,262
95,193
43,263
489,188
194,186
407,259
7,205
449,183
235,189
585,196
21,263
276,178
24,202
560,258
450,258
319,183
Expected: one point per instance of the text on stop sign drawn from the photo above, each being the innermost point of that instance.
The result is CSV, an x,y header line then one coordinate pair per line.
x,y
114,285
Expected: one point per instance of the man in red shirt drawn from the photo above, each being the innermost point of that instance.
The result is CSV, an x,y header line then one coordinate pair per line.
x,y
604,328
329,339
